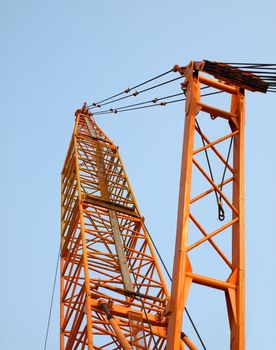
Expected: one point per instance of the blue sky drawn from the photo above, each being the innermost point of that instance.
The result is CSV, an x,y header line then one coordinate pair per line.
x,y
57,54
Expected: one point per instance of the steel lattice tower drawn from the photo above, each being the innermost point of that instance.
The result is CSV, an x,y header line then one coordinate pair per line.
x,y
112,290
218,240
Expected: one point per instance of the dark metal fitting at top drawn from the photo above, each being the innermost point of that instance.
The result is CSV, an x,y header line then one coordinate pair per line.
x,y
181,70
176,68
83,110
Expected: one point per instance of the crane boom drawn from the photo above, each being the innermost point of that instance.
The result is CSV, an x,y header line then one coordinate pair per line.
x,y
112,288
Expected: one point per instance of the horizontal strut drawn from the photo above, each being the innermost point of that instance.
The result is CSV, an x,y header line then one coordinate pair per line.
x,y
210,282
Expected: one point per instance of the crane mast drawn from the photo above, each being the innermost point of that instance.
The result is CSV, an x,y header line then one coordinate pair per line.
x,y
194,227
113,294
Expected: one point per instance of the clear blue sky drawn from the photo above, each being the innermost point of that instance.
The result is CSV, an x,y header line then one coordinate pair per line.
x,y
57,54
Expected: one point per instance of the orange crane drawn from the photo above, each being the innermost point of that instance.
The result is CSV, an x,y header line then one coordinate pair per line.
x,y
113,294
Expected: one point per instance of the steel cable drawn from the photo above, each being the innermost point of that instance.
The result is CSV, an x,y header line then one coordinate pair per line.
x,y
154,100
221,213
52,300
136,93
114,110
130,89
125,109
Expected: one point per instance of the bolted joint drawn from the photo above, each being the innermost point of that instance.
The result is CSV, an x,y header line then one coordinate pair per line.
x,y
159,316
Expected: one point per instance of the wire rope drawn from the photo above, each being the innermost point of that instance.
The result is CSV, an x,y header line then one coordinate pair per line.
x,y
52,300
221,214
125,109
136,93
130,89
111,110
154,100
225,167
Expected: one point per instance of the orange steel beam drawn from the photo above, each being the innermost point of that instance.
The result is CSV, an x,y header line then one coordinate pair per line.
x,y
107,257
192,222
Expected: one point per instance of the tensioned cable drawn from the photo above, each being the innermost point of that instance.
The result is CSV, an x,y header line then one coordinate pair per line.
x,y
136,93
126,91
154,100
52,300
115,110
141,107
124,109
221,214
225,167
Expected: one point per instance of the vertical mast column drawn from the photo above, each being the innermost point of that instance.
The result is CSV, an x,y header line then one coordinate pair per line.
x,y
237,324
181,284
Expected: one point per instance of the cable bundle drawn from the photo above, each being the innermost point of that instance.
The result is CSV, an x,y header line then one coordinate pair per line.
x,y
264,71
